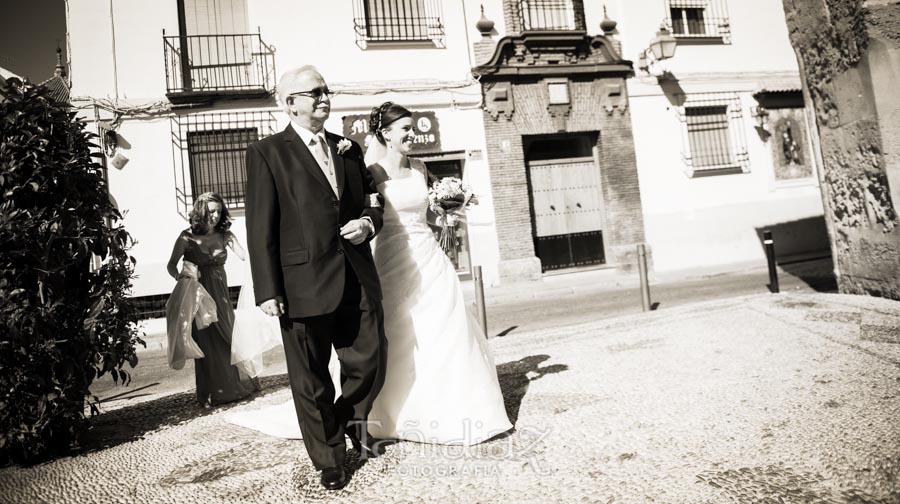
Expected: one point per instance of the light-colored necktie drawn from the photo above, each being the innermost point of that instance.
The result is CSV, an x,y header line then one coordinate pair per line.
x,y
318,148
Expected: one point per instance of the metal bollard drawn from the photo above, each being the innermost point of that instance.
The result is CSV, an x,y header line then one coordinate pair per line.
x,y
770,258
642,270
479,298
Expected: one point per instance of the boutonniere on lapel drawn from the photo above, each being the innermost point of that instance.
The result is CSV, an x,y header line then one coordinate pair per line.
x,y
343,146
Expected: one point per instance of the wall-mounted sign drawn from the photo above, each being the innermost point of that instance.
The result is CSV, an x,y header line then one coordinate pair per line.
x,y
425,125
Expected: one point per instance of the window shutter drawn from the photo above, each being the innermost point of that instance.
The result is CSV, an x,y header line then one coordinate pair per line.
x,y
216,17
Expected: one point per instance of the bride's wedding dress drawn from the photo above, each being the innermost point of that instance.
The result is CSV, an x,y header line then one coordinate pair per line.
x,y
441,383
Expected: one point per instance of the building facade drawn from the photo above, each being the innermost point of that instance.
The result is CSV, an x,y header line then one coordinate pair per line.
x,y
578,147
182,87
559,137
722,133
696,155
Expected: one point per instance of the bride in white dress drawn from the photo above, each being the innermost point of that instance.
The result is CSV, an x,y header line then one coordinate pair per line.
x,y
441,383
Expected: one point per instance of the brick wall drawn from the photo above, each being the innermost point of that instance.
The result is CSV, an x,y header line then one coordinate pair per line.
x,y
578,7
509,185
618,167
511,17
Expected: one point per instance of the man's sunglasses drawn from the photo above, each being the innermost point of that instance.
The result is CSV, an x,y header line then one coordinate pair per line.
x,y
316,94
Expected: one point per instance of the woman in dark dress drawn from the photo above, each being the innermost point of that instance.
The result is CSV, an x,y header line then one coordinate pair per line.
x,y
204,244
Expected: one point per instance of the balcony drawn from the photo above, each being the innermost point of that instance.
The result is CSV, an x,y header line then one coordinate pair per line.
x,y
201,68
398,23
699,21
550,15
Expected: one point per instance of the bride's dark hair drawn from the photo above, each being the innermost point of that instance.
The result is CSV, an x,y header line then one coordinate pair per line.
x,y
385,114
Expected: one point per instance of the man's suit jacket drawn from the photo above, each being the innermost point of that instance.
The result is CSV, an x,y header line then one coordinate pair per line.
x,y
293,222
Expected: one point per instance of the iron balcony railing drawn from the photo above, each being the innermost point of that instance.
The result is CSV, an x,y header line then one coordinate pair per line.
x,y
698,19
547,15
398,21
218,64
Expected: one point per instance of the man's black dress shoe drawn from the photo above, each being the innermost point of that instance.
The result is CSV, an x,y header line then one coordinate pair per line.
x,y
334,478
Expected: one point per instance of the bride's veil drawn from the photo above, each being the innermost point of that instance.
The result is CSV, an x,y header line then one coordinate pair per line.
x,y
254,331
375,150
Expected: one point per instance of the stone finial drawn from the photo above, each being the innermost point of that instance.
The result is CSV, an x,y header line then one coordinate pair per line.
x,y
484,48
484,25
60,70
607,25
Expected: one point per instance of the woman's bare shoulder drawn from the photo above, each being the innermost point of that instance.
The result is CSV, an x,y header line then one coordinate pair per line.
x,y
421,167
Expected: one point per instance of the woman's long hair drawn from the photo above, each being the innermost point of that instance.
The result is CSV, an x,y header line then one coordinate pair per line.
x,y
199,215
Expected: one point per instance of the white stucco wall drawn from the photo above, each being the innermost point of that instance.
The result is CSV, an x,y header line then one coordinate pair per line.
x,y
759,37
718,215
321,34
701,221
128,66
713,220
317,33
145,191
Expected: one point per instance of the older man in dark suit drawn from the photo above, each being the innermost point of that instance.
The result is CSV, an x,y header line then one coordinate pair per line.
x,y
311,209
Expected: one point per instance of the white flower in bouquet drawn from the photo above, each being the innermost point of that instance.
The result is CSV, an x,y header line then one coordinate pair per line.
x,y
450,194
449,197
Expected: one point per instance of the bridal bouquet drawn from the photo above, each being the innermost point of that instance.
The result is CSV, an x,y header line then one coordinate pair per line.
x,y
449,197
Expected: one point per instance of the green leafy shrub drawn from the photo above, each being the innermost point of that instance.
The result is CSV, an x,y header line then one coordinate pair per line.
x,y
65,275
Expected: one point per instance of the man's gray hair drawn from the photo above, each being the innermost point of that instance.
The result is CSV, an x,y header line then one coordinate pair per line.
x,y
287,81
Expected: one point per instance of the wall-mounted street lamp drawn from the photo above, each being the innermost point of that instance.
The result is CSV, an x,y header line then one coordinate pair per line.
x,y
662,47
762,116
762,120
109,141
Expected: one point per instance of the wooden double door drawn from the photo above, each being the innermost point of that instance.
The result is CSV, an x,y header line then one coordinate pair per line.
x,y
566,200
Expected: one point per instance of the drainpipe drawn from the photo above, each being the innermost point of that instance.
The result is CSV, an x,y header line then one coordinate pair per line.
x,y
112,25
68,48
469,47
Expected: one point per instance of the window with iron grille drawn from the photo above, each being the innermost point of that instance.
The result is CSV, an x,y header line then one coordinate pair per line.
x,y
547,14
699,19
713,134
398,21
209,153
217,162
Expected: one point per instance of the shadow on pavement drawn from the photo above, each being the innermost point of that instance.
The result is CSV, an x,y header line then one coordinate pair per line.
x,y
130,394
507,331
133,422
130,423
516,376
818,274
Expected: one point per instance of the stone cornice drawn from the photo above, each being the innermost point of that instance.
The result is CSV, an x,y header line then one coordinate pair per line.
x,y
551,54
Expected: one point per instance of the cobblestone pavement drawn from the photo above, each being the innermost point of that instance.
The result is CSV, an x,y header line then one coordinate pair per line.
x,y
770,398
